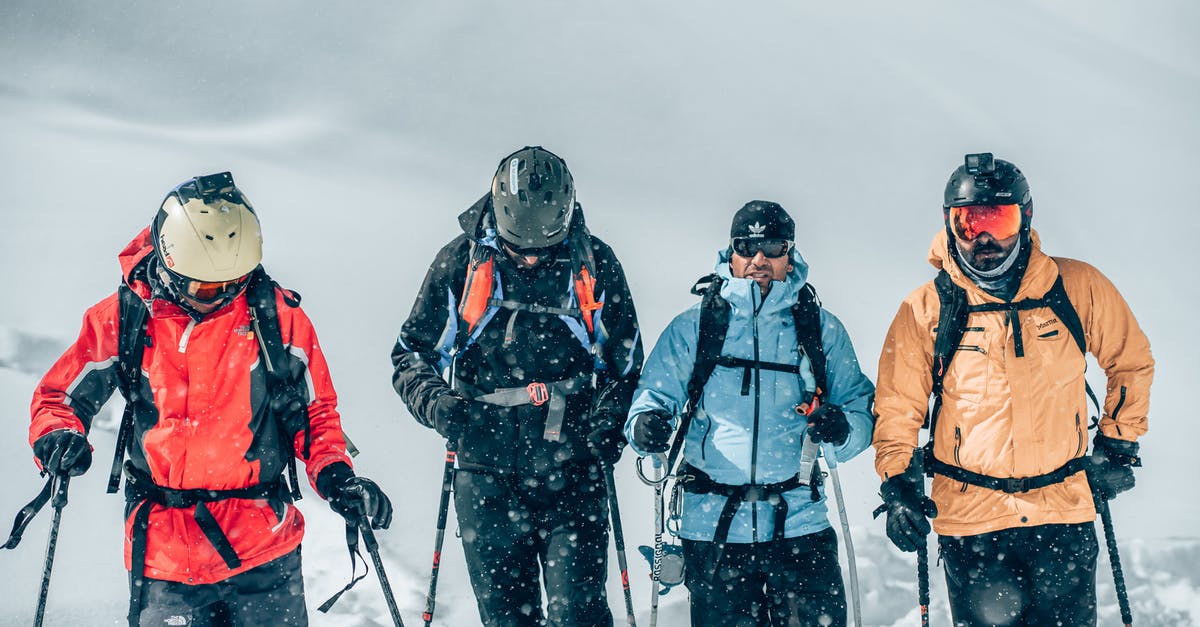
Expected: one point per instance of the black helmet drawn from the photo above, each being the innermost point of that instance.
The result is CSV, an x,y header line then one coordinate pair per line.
x,y
533,197
981,180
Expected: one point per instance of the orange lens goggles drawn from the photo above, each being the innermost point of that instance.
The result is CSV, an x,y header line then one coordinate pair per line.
x,y
971,221
212,291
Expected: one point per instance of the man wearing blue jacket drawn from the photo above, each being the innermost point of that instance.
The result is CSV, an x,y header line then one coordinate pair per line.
x,y
758,545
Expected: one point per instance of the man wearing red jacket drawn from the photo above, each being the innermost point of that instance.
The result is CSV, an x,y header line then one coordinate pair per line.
x,y
211,535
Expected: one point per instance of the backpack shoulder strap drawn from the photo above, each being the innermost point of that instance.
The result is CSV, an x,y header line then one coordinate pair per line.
x,y
714,325
285,394
807,315
1061,305
131,345
952,324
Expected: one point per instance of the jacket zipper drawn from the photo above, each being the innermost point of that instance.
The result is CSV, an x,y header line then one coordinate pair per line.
x,y
1117,409
754,436
957,447
1079,435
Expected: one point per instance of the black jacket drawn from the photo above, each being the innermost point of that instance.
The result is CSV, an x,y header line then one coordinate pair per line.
x,y
535,347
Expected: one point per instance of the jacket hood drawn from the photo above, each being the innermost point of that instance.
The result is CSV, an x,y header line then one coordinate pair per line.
x,y
1039,275
744,292
133,263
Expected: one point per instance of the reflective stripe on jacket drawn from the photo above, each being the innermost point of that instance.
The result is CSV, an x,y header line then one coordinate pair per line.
x,y
1006,416
726,439
208,425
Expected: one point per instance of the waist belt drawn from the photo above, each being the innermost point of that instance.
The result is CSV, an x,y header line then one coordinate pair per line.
x,y
537,394
141,489
1008,485
697,481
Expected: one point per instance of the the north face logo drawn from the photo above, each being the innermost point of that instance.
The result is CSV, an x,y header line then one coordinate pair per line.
x,y
756,230
176,621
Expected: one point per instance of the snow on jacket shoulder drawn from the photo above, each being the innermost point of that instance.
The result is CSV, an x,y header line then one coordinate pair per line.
x,y
1006,416
204,421
755,438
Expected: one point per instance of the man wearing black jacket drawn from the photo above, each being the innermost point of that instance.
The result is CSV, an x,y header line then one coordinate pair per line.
x,y
523,350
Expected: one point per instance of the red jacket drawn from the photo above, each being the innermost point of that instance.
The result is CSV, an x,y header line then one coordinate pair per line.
x,y
208,426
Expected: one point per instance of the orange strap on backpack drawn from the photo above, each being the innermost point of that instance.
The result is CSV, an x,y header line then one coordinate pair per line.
x,y
585,290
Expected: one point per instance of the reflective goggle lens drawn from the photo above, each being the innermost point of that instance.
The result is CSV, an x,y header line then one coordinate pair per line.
x,y
212,291
971,221
770,248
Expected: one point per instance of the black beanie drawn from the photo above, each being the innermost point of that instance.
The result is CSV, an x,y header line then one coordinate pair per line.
x,y
763,219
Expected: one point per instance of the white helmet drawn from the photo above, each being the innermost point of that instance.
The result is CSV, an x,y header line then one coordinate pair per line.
x,y
206,232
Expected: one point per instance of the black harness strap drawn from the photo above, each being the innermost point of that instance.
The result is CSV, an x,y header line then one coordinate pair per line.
x,y
1010,485
697,481
141,489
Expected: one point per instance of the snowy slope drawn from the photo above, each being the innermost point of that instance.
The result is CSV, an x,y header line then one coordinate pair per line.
x,y
359,133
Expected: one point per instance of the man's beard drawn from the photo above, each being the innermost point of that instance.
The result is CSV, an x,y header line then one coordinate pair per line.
x,y
987,264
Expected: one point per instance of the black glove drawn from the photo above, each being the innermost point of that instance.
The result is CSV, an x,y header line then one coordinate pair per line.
x,y
1111,469
652,432
451,415
605,441
354,497
63,452
907,511
828,424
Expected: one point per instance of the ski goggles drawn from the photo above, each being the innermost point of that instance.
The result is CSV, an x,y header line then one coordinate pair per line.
x,y
971,221
539,252
207,292
770,248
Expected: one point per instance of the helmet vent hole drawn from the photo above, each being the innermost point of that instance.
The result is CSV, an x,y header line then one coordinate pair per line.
x,y
232,233
522,195
208,237
548,197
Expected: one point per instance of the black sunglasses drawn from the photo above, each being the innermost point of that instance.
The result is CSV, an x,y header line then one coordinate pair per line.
x,y
770,248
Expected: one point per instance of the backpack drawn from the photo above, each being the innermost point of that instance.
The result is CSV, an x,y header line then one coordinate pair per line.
x,y
285,393
714,325
478,295
952,325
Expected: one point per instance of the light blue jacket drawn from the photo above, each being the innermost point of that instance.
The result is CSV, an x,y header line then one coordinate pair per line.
x,y
726,439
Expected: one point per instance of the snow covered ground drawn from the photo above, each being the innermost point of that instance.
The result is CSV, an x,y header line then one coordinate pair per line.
x,y
359,133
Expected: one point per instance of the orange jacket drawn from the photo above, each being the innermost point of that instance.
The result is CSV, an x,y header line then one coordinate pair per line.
x,y
204,429
1006,416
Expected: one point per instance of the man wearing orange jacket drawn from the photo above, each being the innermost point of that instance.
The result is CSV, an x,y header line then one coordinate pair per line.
x,y
211,535
1014,509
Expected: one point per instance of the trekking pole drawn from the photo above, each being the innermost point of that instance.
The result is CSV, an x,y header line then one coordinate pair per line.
x,y
619,541
660,477
831,463
440,536
368,536
1114,558
58,503
917,466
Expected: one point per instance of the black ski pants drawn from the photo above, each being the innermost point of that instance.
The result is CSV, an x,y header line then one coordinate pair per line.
x,y
271,594
1035,576
782,583
512,527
